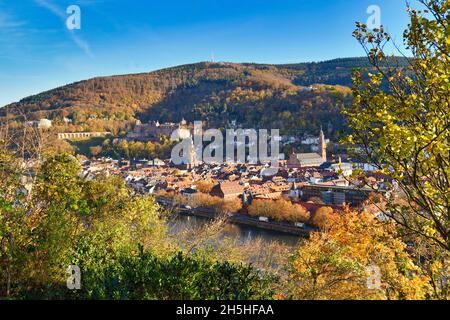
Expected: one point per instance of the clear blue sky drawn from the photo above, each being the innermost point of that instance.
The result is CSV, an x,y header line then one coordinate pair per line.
x,y
37,52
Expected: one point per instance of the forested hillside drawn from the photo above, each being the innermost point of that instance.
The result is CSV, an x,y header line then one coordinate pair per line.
x,y
296,98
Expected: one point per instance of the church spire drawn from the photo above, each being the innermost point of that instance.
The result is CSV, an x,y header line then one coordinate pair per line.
x,y
192,156
322,145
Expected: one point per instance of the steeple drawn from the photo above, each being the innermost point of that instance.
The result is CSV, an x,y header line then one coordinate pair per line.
x,y
322,145
192,163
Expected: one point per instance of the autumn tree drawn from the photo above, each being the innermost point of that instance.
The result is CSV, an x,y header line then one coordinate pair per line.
x,y
280,210
400,119
200,199
95,151
324,217
204,186
70,220
342,261
13,218
231,205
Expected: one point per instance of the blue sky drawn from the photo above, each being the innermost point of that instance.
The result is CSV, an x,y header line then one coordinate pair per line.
x,y
38,52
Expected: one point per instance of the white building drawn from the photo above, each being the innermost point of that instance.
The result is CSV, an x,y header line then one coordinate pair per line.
x,y
41,124
344,169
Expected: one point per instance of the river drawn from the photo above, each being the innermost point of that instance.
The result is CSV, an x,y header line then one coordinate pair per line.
x,y
244,233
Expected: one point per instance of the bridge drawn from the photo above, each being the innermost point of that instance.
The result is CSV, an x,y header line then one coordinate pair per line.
x,y
81,135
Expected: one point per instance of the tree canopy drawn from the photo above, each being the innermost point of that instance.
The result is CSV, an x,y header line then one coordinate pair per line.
x,y
405,130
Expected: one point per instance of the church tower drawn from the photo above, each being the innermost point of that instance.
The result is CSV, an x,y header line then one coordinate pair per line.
x,y
192,162
322,146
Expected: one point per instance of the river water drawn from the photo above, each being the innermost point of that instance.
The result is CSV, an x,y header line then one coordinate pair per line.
x,y
244,233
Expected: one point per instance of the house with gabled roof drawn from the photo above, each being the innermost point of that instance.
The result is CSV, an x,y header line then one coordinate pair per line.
x,y
228,190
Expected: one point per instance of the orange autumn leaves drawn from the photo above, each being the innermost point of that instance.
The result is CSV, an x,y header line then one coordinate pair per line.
x,y
333,264
280,210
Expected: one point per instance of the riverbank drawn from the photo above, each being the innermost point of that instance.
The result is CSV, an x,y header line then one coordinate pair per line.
x,y
244,220
182,222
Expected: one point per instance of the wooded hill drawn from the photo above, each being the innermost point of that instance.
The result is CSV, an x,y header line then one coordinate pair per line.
x,y
295,98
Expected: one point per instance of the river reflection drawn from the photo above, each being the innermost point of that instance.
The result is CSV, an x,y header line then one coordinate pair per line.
x,y
244,233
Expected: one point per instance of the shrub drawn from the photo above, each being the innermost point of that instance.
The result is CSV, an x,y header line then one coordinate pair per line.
x,y
145,276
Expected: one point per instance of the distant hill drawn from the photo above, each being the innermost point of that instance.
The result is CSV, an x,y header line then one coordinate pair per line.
x,y
255,95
